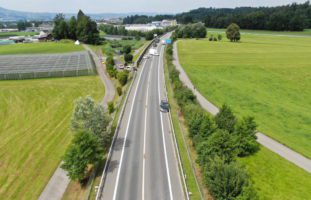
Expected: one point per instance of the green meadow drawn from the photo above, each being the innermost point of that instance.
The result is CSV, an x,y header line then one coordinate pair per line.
x,y
40,48
267,77
34,130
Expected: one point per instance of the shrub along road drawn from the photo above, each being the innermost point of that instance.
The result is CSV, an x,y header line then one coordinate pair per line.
x,y
264,140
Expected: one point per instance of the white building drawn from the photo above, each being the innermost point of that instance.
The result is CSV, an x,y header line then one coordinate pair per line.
x,y
166,23
141,27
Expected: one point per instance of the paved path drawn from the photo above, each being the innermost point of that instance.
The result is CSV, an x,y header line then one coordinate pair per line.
x,y
58,183
109,87
263,139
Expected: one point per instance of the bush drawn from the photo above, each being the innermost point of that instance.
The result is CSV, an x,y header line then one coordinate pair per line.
x,y
112,71
127,49
225,181
220,144
110,61
110,107
128,58
119,90
225,119
122,77
219,37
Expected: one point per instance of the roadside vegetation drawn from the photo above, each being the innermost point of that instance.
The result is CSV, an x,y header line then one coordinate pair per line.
x,y
219,141
34,129
261,76
40,48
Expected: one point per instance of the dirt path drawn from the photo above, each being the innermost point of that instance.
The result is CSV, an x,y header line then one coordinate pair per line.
x,y
263,139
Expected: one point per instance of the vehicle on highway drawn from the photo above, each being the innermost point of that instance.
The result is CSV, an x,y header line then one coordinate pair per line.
x,y
128,68
153,52
164,106
146,57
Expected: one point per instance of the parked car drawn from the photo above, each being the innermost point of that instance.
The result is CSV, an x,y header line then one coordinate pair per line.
x,y
121,67
164,106
128,68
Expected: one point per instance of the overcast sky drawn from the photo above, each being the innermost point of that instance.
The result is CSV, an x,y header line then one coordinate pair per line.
x,y
121,6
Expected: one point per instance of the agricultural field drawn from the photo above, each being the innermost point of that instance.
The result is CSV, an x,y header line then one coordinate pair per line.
x,y
10,34
34,130
306,32
40,48
267,77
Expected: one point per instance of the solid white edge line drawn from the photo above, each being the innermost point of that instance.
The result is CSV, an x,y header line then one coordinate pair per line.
x,y
145,132
127,128
162,128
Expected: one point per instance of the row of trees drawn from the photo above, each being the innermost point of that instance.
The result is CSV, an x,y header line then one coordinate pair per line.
x,y
91,138
218,141
81,28
196,30
294,17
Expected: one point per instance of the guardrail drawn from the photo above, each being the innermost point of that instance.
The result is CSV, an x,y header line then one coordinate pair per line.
x,y
103,178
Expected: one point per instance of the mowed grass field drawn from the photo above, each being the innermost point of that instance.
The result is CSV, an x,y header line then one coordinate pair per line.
x,y
306,32
34,130
40,48
267,77
275,178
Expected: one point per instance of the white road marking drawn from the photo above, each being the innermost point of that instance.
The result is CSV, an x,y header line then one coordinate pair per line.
x,y
162,129
145,132
127,128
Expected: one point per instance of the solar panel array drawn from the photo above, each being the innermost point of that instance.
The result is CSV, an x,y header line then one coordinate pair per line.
x,y
45,65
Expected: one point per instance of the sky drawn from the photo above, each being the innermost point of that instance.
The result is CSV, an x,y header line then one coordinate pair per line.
x,y
125,6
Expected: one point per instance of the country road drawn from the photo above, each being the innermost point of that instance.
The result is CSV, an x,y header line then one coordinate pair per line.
x,y
144,164
278,148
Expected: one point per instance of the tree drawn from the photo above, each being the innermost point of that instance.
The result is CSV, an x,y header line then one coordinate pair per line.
x,y
246,137
233,32
226,181
128,58
122,77
127,49
84,150
91,117
21,25
72,28
87,30
220,144
225,119
219,37
58,30
149,35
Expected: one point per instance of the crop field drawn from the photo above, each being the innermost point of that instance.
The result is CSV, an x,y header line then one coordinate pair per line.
x,y
40,48
34,130
10,34
268,77
45,65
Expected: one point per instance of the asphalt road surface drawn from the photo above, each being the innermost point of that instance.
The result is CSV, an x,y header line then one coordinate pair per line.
x,y
144,162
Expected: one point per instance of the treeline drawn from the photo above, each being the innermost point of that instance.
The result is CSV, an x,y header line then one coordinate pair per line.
x,y
196,30
81,28
218,141
294,17
144,19
120,30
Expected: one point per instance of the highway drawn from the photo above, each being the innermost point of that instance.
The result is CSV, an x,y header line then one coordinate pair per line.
x,y
143,163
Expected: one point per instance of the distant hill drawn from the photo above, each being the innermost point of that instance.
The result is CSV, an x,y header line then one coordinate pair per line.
x,y
12,15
